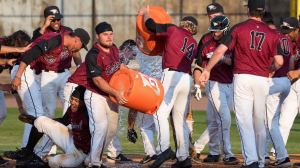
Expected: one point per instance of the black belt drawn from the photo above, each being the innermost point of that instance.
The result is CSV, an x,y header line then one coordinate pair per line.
x,y
58,71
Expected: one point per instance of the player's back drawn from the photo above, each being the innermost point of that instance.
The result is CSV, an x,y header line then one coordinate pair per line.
x,y
254,45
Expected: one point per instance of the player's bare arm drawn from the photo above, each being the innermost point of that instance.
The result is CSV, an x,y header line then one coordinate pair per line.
x,y
277,63
46,24
8,49
16,82
219,52
104,86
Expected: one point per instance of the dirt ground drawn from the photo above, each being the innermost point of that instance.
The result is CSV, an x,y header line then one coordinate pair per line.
x,y
136,158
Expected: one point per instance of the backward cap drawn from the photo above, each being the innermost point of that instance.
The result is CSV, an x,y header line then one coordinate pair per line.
x,y
289,24
256,5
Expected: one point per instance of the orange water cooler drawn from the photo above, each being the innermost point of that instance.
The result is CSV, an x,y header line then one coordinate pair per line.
x,y
143,93
146,41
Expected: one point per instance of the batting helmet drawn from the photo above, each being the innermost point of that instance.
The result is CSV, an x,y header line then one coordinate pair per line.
x,y
219,23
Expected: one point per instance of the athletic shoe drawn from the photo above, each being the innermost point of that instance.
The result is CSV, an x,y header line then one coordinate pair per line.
x,y
267,161
252,165
196,158
3,162
187,163
211,158
119,158
19,154
161,158
147,159
231,161
102,166
282,163
32,162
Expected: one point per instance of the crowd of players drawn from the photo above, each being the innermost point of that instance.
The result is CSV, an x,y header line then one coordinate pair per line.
x,y
250,68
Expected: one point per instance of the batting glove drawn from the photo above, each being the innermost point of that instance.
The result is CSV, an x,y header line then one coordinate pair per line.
x,y
132,135
197,93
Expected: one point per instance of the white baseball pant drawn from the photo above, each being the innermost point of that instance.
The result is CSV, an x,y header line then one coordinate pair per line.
x,y
30,94
147,128
200,143
62,137
3,110
220,97
68,90
250,94
279,90
103,123
289,111
177,87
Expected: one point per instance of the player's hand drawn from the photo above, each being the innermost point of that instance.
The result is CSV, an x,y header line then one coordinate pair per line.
x,y
11,62
292,75
121,99
16,83
5,87
132,135
204,76
48,21
197,93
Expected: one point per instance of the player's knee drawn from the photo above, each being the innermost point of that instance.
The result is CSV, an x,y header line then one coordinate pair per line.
x,y
38,122
53,163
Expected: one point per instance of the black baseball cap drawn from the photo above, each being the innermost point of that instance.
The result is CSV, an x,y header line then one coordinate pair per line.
x,y
52,10
214,8
190,19
103,27
83,35
289,24
256,5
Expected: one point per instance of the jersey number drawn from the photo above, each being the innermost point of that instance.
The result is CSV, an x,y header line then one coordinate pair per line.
x,y
284,43
254,36
189,49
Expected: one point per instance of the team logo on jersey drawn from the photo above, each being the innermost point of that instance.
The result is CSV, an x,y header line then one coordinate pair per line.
x,y
112,68
50,59
64,54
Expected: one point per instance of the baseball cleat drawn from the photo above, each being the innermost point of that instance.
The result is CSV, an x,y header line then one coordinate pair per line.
x,y
161,158
187,163
267,161
19,154
32,162
211,158
252,165
196,158
231,161
282,163
119,158
147,159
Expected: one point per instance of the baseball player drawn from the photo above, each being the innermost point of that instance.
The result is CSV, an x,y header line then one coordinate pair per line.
x,y
212,10
75,142
219,91
177,83
279,90
253,43
101,62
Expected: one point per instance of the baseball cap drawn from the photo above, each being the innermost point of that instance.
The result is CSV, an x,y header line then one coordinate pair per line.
x,y
83,35
289,24
52,10
103,27
256,5
79,92
190,19
214,8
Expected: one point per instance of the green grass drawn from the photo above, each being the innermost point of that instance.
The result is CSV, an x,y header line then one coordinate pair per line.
x,y
11,132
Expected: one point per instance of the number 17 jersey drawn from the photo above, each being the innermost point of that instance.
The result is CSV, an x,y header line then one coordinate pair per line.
x,y
254,45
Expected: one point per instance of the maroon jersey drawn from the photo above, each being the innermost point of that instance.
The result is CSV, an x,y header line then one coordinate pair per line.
x,y
80,128
180,49
287,49
100,63
79,76
221,72
56,59
254,45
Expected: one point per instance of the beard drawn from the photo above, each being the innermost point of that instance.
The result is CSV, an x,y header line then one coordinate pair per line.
x,y
106,45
